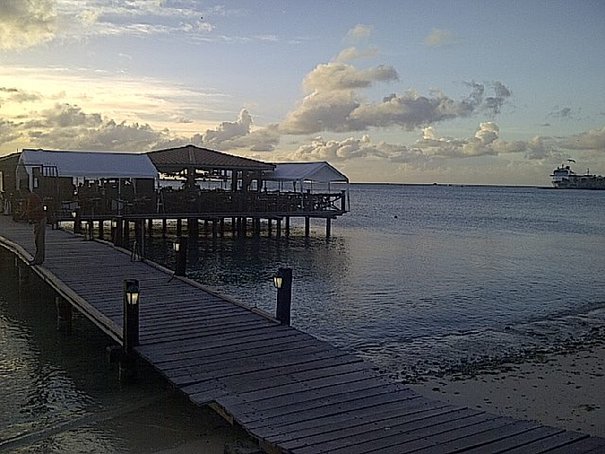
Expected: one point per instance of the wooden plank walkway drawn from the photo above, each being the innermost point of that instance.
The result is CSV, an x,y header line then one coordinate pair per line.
x,y
290,391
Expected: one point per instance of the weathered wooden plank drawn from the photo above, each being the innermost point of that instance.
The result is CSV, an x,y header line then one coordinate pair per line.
x,y
344,426
171,336
315,383
196,374
563,441
167,352
403,439
370,427
194,322
284,374
482,439
303,398
167,349
234,352
591,445
513,441
206,351
315,412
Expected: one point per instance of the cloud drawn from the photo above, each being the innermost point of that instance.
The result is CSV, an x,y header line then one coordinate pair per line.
x,y
26,23
354,53
485,142
358,33
339,76
238,134
352,148
440,37
334,102
333,97
14,95
593,139
9,131
68,127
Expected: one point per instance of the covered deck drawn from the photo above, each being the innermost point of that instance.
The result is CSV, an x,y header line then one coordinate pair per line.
x,y
186,183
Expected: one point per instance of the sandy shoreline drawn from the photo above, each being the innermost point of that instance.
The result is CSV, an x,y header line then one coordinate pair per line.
x,y
565,390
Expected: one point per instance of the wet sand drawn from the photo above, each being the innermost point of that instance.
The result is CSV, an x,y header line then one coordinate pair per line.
x,y
565,390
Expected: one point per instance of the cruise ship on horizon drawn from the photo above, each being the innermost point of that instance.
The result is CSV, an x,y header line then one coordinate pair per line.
x,y
565,178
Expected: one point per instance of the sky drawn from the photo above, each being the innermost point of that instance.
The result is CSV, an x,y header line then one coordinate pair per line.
x,y
458,92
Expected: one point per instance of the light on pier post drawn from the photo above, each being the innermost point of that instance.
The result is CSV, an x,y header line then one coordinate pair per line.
x,y
283,283
130,324
130,330
180,250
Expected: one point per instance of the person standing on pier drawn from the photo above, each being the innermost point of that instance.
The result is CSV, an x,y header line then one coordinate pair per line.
x,y
36,215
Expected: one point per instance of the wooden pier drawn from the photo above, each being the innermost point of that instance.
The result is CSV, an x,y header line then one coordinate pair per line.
x,y
290,391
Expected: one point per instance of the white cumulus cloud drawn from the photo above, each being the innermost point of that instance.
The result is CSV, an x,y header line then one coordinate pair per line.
x,y
26,23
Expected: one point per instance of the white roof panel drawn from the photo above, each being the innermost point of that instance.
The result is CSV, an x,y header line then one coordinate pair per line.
x,y
91,164
320,172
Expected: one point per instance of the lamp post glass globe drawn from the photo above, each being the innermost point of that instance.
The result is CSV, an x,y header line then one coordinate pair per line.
x,y
278,280
132,293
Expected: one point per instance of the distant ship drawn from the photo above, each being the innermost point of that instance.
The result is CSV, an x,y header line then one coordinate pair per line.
x,y
565,178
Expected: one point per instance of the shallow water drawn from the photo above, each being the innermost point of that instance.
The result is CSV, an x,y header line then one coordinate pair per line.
x,y
59,394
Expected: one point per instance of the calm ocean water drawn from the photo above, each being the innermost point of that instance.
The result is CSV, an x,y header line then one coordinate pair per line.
x,y
419,279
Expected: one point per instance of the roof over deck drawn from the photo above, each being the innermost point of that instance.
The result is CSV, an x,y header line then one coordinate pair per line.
x,y
89,164
320,172
173,160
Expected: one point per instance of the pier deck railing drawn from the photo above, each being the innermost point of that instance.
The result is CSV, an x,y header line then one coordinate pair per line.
x,y
219,202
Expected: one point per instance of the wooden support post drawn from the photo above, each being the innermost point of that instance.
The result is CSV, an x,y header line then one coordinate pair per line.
x,y
180,250
222,227
244,227
90,230
130,330
278,229
139,239
193,228
287,225
205,226
164,227
77,221
307,226
214,228
22,274
283,282
328,227
150,227
64,315
269,227
126,234
179,227
257,227
117,225
101,229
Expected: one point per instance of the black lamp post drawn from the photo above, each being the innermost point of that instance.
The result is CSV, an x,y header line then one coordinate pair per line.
x,y
283,283
130,324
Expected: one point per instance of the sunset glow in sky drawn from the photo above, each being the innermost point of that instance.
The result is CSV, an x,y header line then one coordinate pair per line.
x,y
484,92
